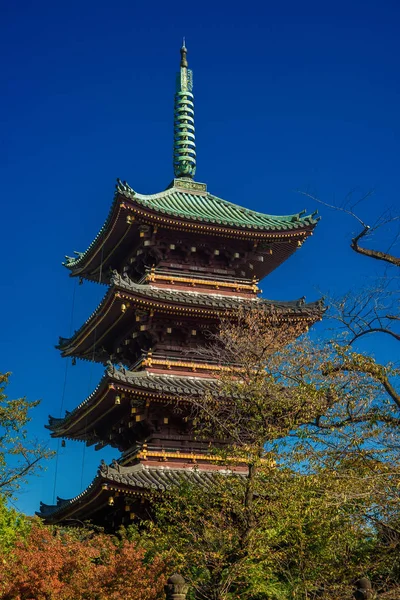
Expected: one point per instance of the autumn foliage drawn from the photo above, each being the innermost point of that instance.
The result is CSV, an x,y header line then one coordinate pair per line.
x,y
51,563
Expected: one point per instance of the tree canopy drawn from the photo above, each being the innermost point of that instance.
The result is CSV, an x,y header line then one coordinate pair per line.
x,y
20,456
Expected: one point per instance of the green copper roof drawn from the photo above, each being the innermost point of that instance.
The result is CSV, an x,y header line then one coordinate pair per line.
x,y
186,199
190,201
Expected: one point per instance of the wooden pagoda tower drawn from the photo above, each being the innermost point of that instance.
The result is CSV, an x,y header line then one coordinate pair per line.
x,y
174,262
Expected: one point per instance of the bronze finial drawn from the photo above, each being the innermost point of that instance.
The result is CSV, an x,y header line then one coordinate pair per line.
x,y
184,62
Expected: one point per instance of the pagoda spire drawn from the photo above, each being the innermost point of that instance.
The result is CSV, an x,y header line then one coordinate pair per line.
x,y
184,138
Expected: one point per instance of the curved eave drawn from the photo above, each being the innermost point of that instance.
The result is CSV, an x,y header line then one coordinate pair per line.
x,y
150,209
111,235
123,300
101,402
80,508
70,426
203,207
136,481
70,345
170,220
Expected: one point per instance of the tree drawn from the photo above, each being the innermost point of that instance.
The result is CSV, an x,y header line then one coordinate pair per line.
x,y
374,310
20,457
304,543
50,563
314,478
12,526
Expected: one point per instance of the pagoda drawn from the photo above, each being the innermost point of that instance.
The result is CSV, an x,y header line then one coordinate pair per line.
x,y
174,264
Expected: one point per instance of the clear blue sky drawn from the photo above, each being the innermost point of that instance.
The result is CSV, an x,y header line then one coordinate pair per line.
x,y
289,95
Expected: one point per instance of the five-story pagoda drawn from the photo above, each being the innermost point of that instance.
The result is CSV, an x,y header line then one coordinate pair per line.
x,y
175,262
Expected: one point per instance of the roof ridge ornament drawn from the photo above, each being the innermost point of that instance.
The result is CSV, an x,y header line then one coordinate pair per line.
x,y
184,133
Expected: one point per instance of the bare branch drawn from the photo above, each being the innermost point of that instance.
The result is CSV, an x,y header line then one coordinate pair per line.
x,y
375,330
367,229
376,254
334,207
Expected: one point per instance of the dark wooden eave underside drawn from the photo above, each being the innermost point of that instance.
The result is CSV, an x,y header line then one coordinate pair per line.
x,y
124,299
137,482
130,210
100,406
